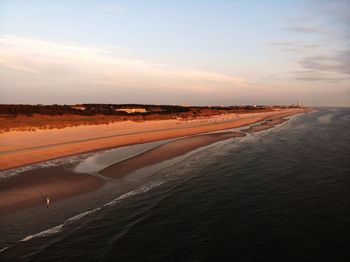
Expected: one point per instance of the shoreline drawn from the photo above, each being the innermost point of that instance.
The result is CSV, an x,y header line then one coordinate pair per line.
x,y
28,188
165,152
76,193
54,144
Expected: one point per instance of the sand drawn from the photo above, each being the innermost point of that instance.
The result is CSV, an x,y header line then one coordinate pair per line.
x,y
24,148
32,189
164,152
265,125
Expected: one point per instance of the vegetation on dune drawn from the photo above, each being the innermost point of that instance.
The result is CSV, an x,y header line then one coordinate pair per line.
x,y
114,109
31,117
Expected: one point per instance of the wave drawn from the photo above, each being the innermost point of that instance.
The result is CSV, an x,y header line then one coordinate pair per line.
x,y
3,249
326,119
142,189
346,117
57,229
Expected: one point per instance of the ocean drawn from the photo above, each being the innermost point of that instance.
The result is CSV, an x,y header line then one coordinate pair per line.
x,y
276,195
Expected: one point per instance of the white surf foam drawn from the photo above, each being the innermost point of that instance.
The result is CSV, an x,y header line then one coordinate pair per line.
x,y
346,117
100,160
142,189
3,249
325,119
58,228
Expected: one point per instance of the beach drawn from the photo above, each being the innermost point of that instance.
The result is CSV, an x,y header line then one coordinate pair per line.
x,y
30,188
19,148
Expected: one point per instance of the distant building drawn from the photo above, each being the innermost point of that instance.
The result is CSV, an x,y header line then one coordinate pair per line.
x,y
79,107
297,105
132,110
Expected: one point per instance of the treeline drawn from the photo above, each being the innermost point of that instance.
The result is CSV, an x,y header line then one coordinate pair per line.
x,y
113,109
88,109
37,109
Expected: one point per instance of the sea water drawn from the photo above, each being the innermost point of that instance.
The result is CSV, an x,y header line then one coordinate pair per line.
x,y
276,195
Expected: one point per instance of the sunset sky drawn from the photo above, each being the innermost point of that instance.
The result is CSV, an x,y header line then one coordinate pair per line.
x,y
175,52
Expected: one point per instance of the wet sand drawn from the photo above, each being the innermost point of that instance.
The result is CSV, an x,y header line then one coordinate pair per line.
x,y
32,188
164,152
265,125
270,122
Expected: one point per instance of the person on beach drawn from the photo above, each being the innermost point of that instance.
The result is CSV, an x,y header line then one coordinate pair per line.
x,y
47,202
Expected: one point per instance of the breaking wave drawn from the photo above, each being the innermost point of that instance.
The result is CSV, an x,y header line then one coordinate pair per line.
x,y
45,164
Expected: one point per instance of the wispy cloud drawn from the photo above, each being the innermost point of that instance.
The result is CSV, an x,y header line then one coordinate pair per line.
x,y
308,29
333,67
339,10
296,46
317,76
71,63
323,54
113,8
338,62
324,17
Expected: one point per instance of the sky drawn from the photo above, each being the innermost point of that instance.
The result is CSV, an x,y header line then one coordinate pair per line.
x,y
195,52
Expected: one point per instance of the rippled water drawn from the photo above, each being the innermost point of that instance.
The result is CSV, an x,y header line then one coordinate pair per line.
x,y
278,195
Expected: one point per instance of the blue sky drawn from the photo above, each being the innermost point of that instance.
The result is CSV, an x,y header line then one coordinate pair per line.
x,y
193,52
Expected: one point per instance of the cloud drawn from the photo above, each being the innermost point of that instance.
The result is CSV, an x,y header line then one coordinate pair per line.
x,y
323,17
308,29
323,55
339,10
338,62
331,67
295,46
51,64
317,76
113,8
